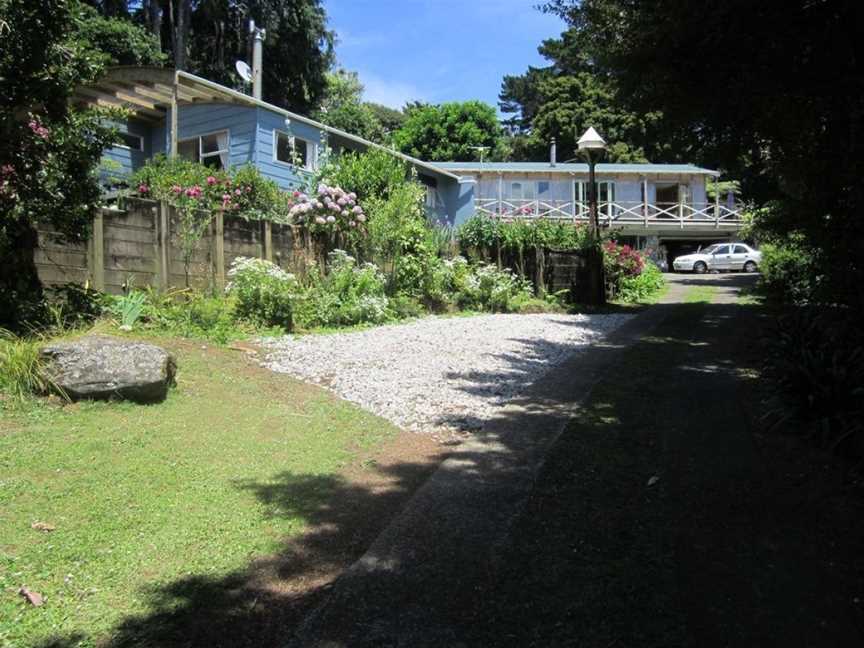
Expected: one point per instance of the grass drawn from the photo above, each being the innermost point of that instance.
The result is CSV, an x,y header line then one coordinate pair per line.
x,y
142,496
700,295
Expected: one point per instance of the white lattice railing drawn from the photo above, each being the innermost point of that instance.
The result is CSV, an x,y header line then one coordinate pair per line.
x,y
617,212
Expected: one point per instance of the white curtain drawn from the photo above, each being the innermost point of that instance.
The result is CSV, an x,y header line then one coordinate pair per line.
x,y
222,143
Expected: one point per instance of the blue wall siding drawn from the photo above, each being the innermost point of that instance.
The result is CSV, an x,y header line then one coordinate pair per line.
x,y
458,198
239,121
285,175
121,161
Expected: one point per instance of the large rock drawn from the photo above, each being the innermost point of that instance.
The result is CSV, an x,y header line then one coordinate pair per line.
x,y
101,367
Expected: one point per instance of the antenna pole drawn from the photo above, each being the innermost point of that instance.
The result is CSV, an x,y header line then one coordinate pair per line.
x,y
257,55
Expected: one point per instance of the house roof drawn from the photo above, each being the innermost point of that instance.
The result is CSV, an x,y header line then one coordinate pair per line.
x,y
546,167
150,91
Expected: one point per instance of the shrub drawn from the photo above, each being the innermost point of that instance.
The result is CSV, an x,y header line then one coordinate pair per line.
x,y
348,294
264,292
483,286
128,308
373,175
74,305
642,286
21,367
330,209
791,270
816,359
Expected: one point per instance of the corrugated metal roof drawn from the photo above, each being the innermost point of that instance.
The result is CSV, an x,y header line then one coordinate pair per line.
x,y
546,167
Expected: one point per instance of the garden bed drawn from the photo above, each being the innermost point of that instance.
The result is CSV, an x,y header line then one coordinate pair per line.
x,y
443,376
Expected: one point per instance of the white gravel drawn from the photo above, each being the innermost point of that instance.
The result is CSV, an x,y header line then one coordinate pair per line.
x,y
443,376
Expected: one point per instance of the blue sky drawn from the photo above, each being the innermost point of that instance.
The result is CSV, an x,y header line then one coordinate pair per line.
x,y
437,50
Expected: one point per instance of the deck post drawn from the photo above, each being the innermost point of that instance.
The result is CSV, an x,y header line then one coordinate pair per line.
x,y
173,141
500,193
645,201
681,206
573,197
716,205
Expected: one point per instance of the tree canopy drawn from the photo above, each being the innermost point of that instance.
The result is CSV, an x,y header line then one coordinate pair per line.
x,y
772,92
450,131
207,37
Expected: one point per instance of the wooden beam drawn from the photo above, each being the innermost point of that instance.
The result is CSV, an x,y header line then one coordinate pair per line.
x,y
128,96
93,96
172,148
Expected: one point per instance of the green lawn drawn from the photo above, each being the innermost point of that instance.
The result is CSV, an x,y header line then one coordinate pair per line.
x,y
700,294
142,496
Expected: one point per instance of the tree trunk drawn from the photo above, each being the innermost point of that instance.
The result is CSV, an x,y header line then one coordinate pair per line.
x,y
20,288
153,19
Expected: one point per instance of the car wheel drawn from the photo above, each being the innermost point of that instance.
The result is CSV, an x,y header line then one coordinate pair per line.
x,y
750,266
700,268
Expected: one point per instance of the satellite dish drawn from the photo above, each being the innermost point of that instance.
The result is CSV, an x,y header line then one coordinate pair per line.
x,y
244,71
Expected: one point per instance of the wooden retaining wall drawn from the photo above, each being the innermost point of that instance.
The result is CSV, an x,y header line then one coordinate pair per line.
x,y
138,247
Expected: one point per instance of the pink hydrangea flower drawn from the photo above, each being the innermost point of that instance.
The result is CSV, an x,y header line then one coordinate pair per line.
x,y
143,188
211,180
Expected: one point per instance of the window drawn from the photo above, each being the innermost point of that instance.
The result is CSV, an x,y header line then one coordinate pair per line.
x,y
740,249
211,150
522,190
721,249
294,150
127,140
605,196
542,188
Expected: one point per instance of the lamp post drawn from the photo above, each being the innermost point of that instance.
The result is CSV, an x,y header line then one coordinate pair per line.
x,y
593,145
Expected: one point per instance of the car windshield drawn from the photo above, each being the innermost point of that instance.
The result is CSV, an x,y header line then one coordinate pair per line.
x,y
709,249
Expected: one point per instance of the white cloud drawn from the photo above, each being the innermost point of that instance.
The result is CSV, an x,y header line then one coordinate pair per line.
x,y
394,94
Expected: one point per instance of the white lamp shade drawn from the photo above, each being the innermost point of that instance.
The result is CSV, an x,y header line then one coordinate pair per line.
x,y
591,140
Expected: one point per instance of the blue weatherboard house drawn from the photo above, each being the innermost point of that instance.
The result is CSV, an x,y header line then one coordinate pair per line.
x,y
175,112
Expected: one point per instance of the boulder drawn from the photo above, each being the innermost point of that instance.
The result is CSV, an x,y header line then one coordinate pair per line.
x,y
102,367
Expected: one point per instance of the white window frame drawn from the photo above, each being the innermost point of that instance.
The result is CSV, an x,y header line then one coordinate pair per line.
x,y
523,184
582,196
311,150
219,153
122,145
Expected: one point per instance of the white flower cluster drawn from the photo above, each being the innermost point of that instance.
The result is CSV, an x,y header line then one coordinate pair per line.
x,y
332,206
246,268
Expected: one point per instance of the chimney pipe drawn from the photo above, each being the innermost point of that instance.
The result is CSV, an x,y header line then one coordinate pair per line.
x,y
553,153
257,53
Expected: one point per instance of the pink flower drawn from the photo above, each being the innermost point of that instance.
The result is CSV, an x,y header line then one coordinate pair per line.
x,y
296,194
39,129
7,169
143,188
248,189
237,192
226,197
211,180
176,189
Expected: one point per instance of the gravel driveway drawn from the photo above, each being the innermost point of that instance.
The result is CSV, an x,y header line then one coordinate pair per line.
x,y
439,375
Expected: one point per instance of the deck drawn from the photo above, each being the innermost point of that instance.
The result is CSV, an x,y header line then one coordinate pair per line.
x,y
619,213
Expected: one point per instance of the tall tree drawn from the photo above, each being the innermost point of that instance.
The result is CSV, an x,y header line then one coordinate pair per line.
x,y
774,89
48,150
573,92
450,131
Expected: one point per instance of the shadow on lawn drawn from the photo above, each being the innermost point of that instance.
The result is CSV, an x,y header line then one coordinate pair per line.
x,y
456,581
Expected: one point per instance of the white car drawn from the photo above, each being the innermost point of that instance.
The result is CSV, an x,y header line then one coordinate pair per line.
x,y
720,256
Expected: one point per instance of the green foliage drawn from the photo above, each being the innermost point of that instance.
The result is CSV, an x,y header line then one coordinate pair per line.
x,y
348,294
791,270
449,131
485,287
21,371
190,314
643,286
264,292
342,107
816,360
120,41
128,308
790,137
48,151
372,175
485,233
74,305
